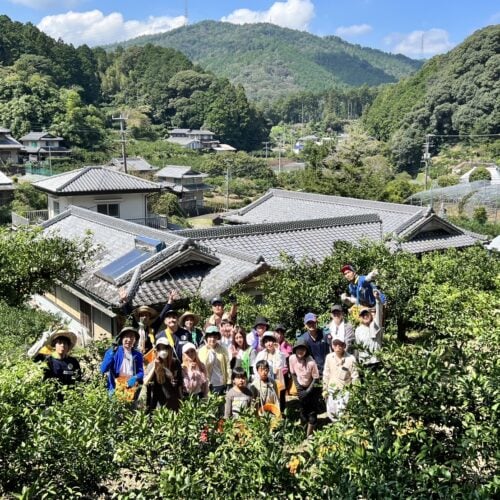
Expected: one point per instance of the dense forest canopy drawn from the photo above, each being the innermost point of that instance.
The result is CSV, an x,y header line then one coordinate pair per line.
x,y
457,93
271,61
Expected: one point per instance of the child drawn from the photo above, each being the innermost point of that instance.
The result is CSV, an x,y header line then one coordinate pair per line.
x,y
340,371
263,388
305,375
239,396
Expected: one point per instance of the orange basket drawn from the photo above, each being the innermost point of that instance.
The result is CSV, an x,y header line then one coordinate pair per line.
x,y
271,408
149,357
122,391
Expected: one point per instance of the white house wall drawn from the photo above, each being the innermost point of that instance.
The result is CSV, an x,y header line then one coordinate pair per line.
x,y
132,205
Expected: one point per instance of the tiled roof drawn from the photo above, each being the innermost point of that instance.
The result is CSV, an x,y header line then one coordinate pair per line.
x,y
179,172
280,206
191,131
436,240
133,165
7,141
311,239
36,136
182,141
95,180
183,264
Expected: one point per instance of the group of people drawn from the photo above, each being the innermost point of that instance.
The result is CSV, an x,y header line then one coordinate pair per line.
x,y
166,357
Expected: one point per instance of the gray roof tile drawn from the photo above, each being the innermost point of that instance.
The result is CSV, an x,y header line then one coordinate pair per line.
x,y
95,180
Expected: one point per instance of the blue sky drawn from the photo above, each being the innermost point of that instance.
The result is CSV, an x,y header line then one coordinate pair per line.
x,y
418,29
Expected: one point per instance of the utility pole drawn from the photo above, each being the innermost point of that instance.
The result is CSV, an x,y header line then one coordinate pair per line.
x,y
266,147
427,158
186,12
122,119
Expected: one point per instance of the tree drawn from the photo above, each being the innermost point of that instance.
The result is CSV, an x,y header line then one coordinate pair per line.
x,y
480,215
480,174
33,264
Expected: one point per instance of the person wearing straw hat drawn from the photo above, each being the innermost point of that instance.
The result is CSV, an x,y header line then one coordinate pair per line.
x,y
60,366
305,375
123,363
189,320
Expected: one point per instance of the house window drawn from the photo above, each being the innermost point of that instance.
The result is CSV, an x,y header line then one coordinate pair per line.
x,y
55,206
111,209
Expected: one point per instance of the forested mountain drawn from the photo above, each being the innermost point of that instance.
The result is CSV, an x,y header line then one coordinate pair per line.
x,y
455,93
270,61
47,84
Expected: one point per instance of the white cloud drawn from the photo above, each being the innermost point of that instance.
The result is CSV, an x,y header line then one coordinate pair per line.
x,y
420,43
295,14
45,4
94,28
354,30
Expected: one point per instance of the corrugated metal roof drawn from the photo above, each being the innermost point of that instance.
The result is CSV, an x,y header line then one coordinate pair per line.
x,y
95,179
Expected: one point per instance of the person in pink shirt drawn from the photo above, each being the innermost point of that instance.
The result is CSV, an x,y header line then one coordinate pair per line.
x,y
305,375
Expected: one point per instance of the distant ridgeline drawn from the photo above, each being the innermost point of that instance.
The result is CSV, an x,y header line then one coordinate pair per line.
x,y
271,62
457,93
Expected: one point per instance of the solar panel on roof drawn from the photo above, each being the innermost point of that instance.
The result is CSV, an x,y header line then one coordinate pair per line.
x,y
123,264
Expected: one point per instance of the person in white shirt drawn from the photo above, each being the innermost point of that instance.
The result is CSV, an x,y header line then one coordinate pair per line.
x,y
339,329
369,334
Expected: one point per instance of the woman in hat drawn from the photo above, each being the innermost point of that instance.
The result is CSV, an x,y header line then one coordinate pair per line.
x,y
216,360
60,365
164,378
305,375
189,320
194,373
260,326
124,363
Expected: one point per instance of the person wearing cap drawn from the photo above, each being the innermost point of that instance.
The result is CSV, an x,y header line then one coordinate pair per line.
x,y
216,359
124,362
163,378
339,329
286,349
317,339
226,330
60,366
176,335
189,320
340,371
217,304
260,326
361,288
194,372
369,334
306,376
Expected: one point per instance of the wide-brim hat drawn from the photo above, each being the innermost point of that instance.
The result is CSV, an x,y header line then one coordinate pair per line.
x,y
268,336
127,329
213,331
142,310
301,343
260,320
185,315
67,334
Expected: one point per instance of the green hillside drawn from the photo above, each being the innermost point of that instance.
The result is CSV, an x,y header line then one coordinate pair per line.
x,y
270,61
457,93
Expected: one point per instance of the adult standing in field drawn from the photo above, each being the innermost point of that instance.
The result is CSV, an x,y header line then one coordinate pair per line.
x,y
194,373
216,360
215,318
175,335
339,328
124,365
226,330
189,321
318,340
164,378
369,334
60,365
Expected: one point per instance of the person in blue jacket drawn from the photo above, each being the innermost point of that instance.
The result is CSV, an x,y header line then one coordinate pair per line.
x,y
360,288
123,362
